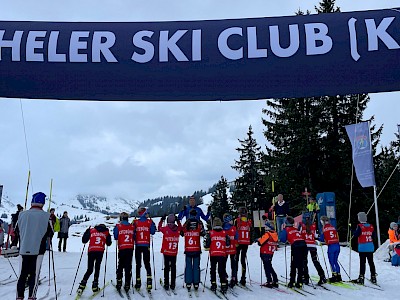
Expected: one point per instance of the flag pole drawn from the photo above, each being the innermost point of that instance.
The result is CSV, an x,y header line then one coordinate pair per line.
x,y
378,231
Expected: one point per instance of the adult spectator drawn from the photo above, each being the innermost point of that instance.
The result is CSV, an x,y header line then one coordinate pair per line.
x,y
65,223
34,229
199,212
1,234
313,208
281,209
14,220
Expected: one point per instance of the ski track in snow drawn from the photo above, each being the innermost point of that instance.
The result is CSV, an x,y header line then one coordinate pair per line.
x,y
66,264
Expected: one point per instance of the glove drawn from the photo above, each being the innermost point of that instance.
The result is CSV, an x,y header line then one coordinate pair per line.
x,y
163,218
209,209
176,219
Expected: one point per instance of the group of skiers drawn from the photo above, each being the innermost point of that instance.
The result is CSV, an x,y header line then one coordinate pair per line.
x,y
226,239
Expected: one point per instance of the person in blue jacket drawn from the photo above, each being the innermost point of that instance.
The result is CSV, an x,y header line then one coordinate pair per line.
x,y
199,213
365,233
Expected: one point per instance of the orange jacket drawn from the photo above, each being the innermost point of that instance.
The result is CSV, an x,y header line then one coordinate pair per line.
x,y
393,236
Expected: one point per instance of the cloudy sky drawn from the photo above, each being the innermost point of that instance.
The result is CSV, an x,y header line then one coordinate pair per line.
x,y
140,150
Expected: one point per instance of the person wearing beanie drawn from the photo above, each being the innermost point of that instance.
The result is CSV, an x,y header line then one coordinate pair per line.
x,y
298,251
268,244
216,241
365,234
331,238
231,231
308,230
65,223
144,228
394,239
185,212
123,234
192,230
33,228
243,226
98,237
169,248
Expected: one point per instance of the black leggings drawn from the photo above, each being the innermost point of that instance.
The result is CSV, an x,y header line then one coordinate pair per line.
x,y
146,260
125,264
220,261
94,260
169,265
241,249
363,258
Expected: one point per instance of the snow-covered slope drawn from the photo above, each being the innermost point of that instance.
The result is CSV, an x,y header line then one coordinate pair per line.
x,y
67,263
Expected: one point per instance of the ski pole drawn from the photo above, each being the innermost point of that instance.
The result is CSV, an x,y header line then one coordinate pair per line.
x,y
84,245
54,271
285,265
323,255
205,277
248,269
345,271
49,243
154,266
105,272
12,267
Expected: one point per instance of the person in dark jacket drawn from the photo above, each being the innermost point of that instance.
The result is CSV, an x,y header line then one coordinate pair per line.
x,y
281,209
34,229
65,223
98,237
199,213
14,220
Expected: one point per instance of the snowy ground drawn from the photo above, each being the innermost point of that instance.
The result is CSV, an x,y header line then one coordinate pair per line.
x,y
66,264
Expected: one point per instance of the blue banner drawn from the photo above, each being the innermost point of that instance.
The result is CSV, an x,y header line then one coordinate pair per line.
x,y
297,56
360,139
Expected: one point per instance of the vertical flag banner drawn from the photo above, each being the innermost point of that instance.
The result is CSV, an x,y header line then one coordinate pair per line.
x,y
360,138
1,193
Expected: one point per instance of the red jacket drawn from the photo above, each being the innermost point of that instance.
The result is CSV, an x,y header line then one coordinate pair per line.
x,y
170,238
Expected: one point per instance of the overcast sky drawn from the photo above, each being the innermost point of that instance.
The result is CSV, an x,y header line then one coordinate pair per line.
x,y
140,150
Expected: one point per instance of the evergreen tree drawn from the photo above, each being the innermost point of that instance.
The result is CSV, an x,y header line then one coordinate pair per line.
x,y
220,204
310,148
249,185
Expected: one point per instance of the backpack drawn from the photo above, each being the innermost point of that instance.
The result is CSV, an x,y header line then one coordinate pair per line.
x,y
57,225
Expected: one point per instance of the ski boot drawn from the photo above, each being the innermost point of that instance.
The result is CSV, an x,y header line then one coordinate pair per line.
x,y
119,284
306,280
81,287
95,286
299,285
359,280
268,285
333,279
233,282
196,286
291,284
32,298
138,283
338,277
166,286
322,280
172,286
149,285
189,287
373,279
127,288
214,286
224,287
243,281
275,284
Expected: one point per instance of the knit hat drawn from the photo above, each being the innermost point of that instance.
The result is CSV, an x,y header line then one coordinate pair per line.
x,y
362,217
38,198
324,219
227,217
171,219
269,226
265,216
289,221
393,224
19,207
142,211
217,223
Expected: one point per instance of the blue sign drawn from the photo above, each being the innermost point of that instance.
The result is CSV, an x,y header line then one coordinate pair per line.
x,y
360,139
297,56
